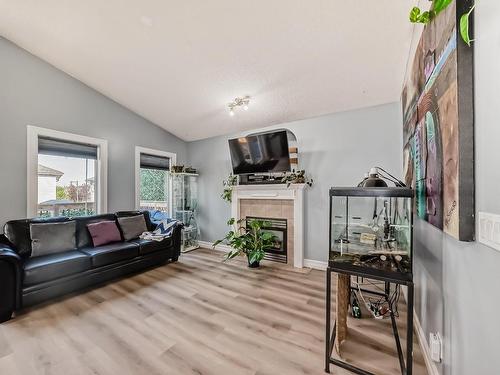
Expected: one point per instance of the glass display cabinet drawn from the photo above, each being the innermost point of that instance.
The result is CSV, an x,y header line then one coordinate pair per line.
x,y
371,230
184,188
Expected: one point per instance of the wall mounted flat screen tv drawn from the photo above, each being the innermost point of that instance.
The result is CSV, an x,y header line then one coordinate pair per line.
x,y
261,153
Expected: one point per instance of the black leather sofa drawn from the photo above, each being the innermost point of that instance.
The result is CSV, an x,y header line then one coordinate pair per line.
x,y
26,281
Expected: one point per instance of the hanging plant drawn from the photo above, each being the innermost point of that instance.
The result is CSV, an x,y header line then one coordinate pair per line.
x,y
417,16
229,183
296,177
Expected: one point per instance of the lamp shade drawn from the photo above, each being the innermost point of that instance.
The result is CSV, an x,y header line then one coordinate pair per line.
x,y
373,180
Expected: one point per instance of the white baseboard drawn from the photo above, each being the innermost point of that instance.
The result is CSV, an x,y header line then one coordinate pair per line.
x,y
315,264
424,346
220,247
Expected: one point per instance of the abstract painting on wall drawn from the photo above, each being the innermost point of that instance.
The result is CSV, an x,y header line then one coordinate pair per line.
x,y
438,121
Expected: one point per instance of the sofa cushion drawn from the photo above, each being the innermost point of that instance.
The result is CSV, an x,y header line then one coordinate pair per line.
x,y
146,215
104,232
50,238
18,233
112,253
53,266
149,246
83,238
132,226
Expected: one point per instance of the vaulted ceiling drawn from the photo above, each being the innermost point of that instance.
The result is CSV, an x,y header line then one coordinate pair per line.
x,y
178,63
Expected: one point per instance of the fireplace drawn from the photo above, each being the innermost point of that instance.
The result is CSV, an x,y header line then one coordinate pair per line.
x,y
286,203
278,227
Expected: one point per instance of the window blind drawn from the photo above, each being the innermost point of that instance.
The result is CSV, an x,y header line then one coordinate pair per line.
x,y
155,162
57,147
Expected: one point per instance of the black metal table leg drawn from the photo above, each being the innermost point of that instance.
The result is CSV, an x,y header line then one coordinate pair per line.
x,y
328,317
406,366
398,343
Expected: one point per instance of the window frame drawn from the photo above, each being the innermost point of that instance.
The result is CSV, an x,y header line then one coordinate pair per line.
x,y
33,133
150,151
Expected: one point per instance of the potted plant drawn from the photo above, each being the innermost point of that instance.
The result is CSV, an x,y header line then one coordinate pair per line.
x,y
250,240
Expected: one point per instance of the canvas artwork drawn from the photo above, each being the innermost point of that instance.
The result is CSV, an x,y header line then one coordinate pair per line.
x,y
438,131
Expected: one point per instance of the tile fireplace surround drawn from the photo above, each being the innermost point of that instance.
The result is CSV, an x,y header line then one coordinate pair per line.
x,y
276,202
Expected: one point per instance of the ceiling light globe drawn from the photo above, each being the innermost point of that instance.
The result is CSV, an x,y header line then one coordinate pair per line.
x,y
245,107
231,113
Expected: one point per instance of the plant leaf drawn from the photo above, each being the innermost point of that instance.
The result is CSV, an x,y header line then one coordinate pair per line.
x,y
216,243
232,254
464,28
266,236
440,5
414,13
425,17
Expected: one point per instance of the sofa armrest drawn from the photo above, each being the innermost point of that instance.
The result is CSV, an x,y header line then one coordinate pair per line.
x,y
10,282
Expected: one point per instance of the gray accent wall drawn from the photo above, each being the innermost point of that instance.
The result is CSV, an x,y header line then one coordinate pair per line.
x,y
335,150
32,92
457,282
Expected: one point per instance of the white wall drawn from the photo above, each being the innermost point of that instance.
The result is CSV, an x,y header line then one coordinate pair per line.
x,y
457,282
335,150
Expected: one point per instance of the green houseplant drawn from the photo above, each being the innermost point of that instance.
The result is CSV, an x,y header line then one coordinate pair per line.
x,y
417,16
229,184
250,240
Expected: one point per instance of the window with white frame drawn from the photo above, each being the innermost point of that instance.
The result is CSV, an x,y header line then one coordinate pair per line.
x,y
152,179
66,174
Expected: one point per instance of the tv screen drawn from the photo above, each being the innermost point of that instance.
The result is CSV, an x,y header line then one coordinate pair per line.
x,y
260,153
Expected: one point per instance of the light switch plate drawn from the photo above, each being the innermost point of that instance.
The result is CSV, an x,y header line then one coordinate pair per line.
x,y
489,230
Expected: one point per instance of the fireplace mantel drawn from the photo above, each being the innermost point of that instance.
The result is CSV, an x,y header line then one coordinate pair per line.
x,y
294,192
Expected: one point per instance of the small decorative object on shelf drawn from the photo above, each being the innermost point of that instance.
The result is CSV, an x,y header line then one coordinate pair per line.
x,y
296,177
184,189
250,240
177,168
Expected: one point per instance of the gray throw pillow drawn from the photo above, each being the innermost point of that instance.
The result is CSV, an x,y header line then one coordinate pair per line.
x,y
132,226
51,238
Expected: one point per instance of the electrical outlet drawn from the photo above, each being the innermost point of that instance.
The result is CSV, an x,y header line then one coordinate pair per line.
x,y
436,346
489,230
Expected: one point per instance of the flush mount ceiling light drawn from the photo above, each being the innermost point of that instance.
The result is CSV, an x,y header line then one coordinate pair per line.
x,y
242,102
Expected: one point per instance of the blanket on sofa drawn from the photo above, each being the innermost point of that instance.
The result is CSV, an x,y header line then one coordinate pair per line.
x,y
164,229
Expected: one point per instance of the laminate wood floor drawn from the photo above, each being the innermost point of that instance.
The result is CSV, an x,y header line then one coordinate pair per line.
x,y
197,316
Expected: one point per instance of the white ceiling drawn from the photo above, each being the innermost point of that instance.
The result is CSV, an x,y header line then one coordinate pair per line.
x,y
178,63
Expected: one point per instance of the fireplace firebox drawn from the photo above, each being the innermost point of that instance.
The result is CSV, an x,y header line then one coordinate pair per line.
x,y
278,227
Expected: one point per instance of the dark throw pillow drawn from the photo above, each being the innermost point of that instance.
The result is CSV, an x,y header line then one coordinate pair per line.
x,y
132,226
104,232
50,238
